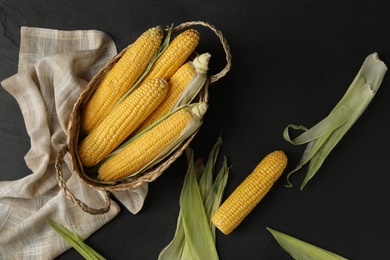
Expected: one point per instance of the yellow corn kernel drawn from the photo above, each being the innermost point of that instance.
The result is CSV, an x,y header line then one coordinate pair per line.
x,y
177,84
175,55
250,192
145,148
121,121
121,77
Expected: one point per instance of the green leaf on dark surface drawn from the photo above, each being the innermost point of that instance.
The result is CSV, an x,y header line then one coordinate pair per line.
x,y
302,250
201,195
325,135
76,242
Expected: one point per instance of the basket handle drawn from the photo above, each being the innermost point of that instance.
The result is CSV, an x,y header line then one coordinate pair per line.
x,y
226,48
69,195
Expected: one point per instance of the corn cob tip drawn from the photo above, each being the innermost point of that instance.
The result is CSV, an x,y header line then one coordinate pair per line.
x,y
201,62
157,28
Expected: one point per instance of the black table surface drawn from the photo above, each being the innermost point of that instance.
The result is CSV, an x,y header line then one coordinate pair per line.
x,y
292,62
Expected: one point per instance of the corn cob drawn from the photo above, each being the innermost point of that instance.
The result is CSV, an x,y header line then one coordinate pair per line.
x,y
177,84
121,122
152,146
250,192
121,77
183,87
175,55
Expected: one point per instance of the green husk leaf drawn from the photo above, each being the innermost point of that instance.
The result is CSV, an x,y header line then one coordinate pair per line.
x,y
206,180
214,200
212,192
302,250
194,237
175,248
76,242
196,226
325,135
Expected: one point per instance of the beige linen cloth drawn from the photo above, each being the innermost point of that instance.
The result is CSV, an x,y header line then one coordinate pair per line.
x,y
54,67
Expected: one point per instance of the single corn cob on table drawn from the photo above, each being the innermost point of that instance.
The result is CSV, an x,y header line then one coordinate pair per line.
x,y
158,141
121,77
184,84
175,55
250,192
121,122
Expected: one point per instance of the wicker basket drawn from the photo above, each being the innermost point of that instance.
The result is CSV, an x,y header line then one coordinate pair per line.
x,y
130,183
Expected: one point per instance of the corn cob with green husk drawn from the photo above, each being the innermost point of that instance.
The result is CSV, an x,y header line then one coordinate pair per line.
x,y
184,85
121,122
250,192
154,145
121,77
177,53
201,65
